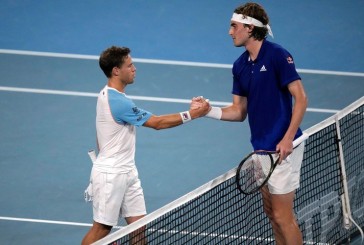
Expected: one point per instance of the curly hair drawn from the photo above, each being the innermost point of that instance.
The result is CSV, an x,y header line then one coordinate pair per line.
x,y
255,11
112,57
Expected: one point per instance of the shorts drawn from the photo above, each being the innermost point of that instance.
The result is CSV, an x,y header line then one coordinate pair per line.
x,y
286,176
116,195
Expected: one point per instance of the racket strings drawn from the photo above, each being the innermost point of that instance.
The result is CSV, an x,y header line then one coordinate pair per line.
x,y
254,172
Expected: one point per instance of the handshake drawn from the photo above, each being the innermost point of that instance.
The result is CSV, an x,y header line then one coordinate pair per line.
x,y
199,102
201,107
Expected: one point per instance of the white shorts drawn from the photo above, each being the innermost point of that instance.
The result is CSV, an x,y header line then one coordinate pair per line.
x,y
286,176
116,195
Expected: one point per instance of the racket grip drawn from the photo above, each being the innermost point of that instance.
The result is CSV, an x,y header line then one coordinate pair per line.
x,y
92,155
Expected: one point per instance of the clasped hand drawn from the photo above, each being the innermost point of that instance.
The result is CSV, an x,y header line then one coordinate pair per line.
x,y
201,105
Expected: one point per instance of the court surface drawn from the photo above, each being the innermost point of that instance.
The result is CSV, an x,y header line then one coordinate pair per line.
x,y
181,50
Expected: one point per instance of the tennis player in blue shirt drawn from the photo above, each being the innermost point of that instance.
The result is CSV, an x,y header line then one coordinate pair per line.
x,y
265,81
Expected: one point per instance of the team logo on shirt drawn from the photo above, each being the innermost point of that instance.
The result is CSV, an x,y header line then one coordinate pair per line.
x,y
136,110
289,60
141,116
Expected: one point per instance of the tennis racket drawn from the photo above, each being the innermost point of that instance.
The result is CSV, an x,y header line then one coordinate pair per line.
x,y
256,168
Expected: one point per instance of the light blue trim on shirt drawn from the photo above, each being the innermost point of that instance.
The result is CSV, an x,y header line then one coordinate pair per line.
x,y
124,110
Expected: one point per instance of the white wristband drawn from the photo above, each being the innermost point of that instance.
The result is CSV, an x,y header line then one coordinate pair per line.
x,y
215,113
186,117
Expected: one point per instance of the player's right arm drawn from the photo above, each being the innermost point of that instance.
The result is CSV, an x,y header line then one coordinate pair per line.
x,y
237,111
176,119
163,121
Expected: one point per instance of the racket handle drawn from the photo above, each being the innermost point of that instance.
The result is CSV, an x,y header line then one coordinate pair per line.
x,y
92,155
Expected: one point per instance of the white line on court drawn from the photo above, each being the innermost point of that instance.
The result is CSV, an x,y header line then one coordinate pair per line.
x,y
167,62
134,97
44,221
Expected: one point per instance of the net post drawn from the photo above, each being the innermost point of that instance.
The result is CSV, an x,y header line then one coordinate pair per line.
x,y
345,196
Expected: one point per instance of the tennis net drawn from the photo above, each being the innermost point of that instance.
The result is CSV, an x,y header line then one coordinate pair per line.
x,y
216,213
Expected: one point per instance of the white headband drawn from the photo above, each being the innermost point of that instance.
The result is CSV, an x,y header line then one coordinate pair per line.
x,y
250,21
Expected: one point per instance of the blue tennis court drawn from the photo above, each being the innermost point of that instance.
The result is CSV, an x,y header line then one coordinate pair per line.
x,y
49,80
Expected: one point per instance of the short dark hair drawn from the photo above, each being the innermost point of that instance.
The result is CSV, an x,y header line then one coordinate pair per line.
x,y
112,57
255,11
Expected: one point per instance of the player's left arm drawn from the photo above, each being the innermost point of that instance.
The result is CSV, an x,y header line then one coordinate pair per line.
x,y
285,146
